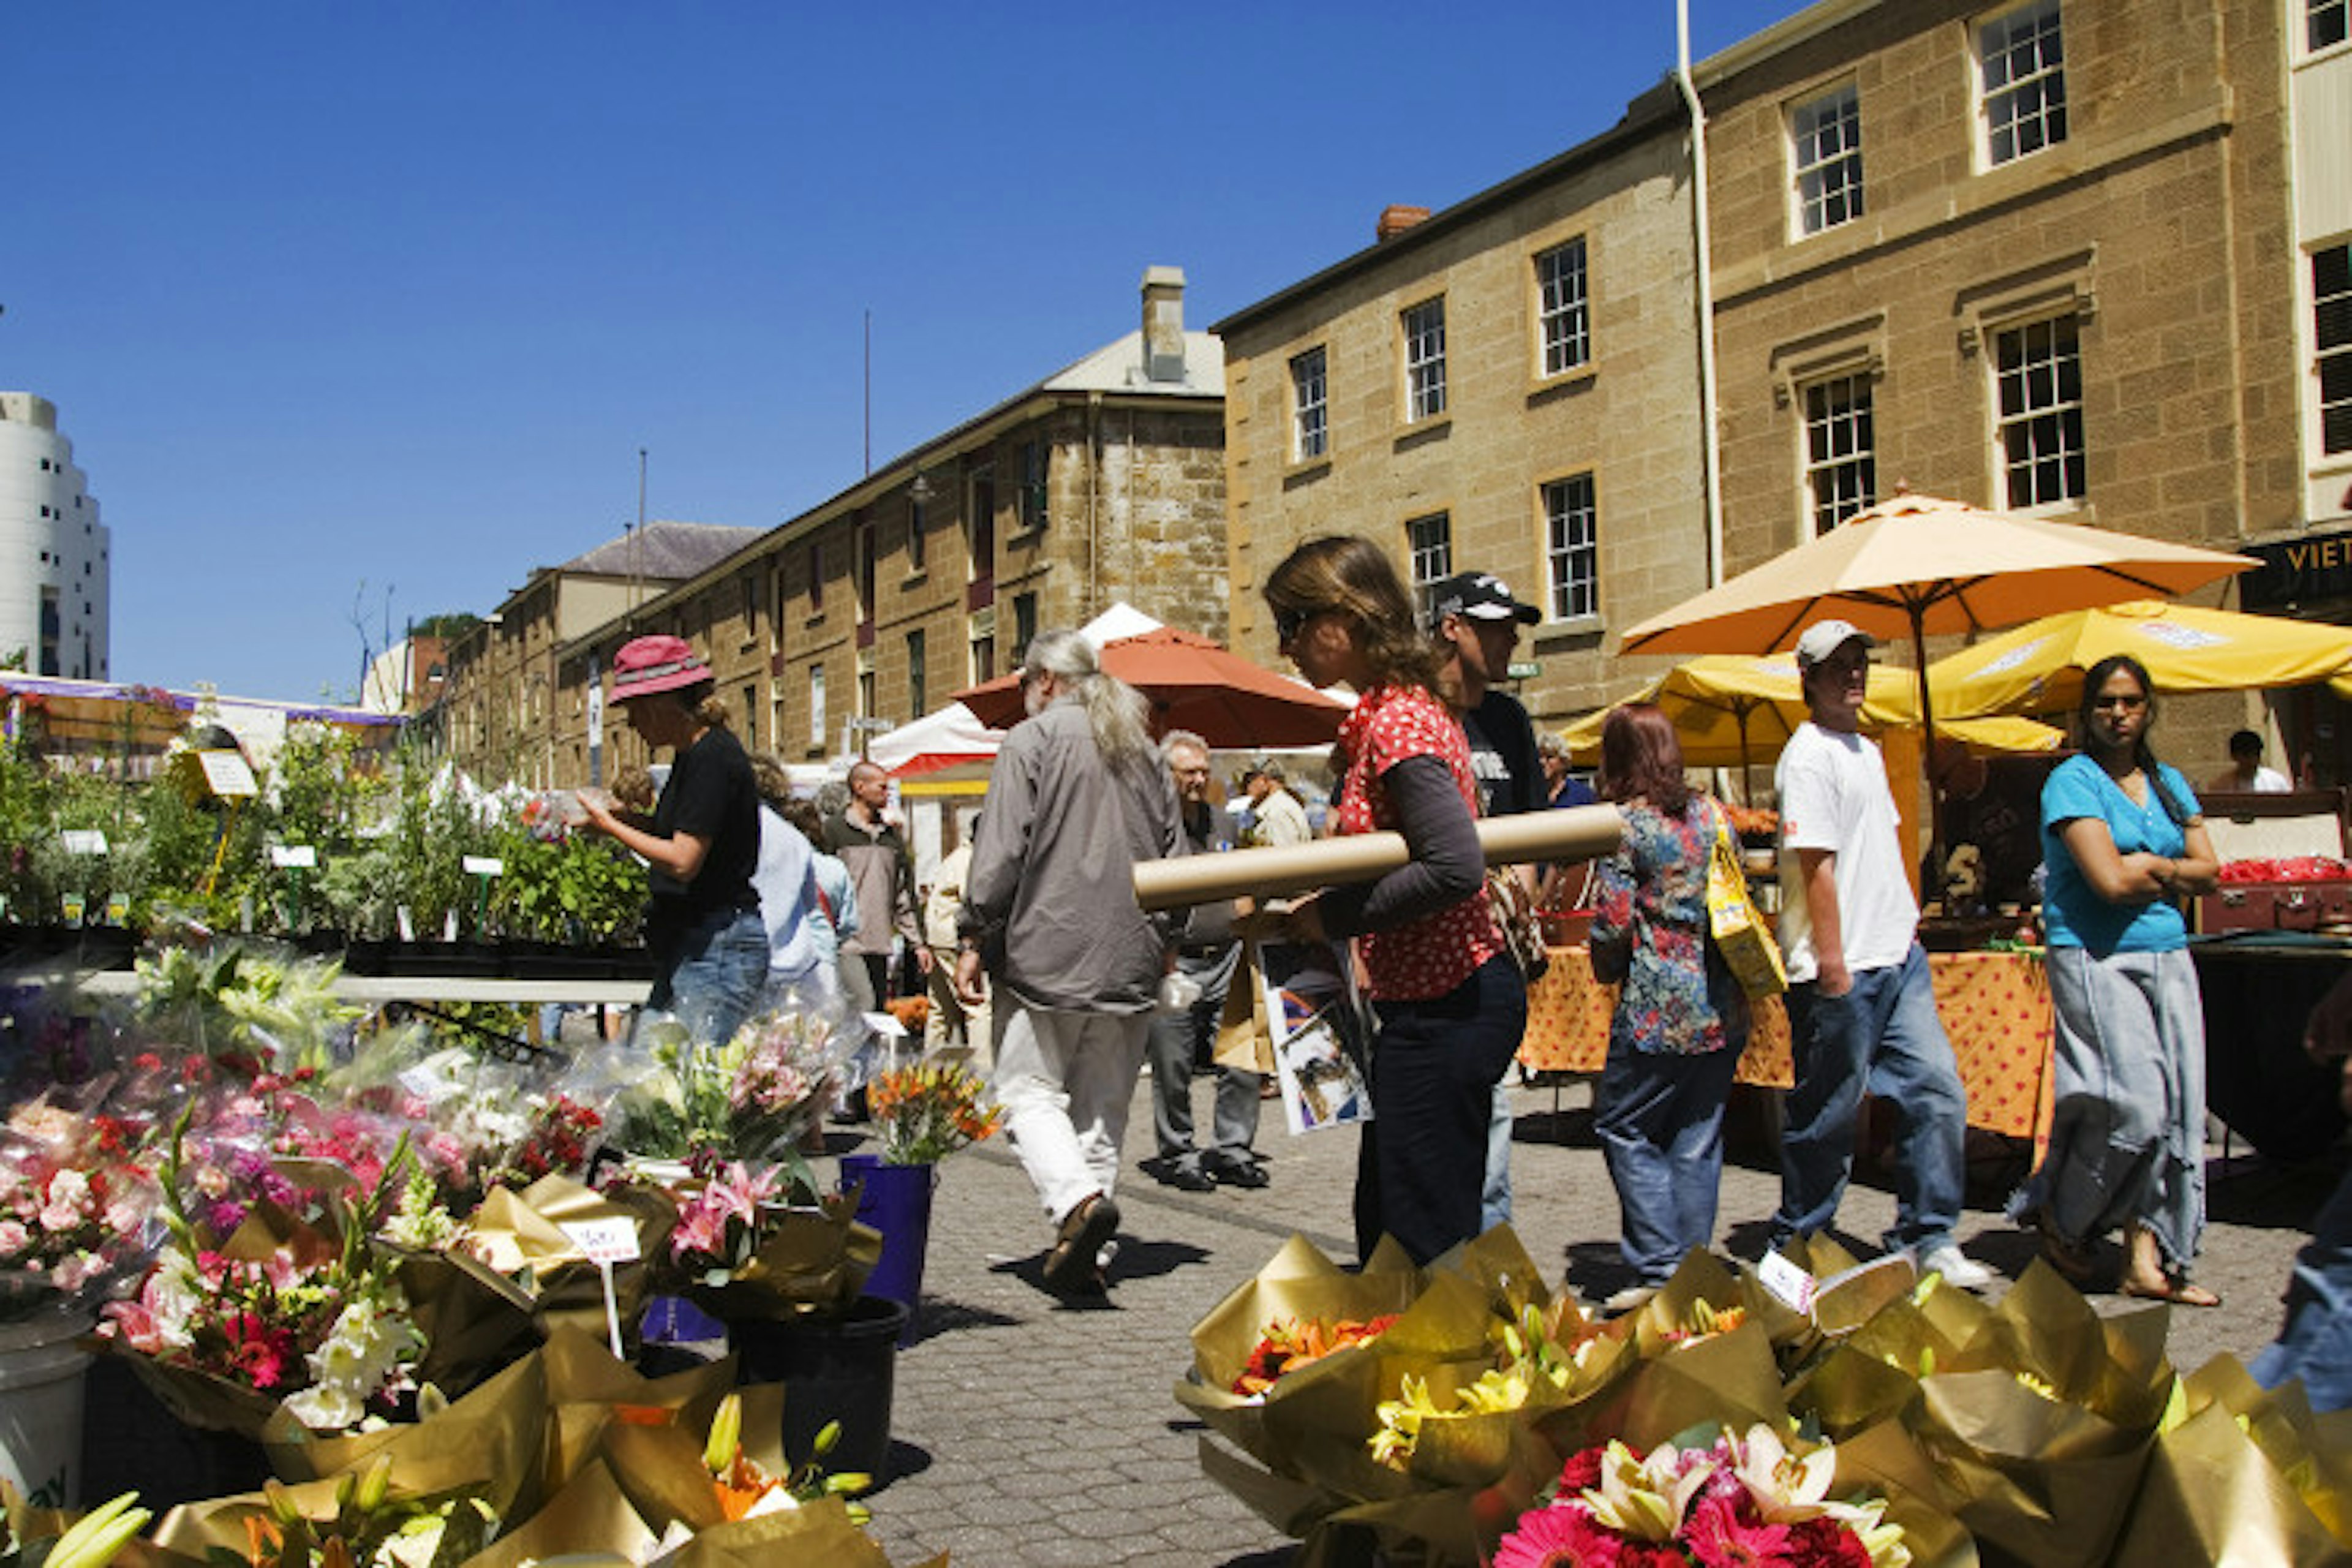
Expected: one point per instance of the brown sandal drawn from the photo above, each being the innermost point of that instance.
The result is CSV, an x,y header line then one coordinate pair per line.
x,y
2173,1289
1070,1268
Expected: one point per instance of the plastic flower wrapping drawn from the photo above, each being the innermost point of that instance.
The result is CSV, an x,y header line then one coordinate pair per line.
x,y
79,1196
743,1253
1489,1423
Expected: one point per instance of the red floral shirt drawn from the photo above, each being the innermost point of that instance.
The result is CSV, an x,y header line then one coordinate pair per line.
x,y
1433,955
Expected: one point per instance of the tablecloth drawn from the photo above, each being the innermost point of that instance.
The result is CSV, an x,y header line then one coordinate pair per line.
x,y
1995,1007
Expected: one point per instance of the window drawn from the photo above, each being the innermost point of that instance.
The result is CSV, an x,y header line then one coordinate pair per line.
x,y
1840,456
2323,24
1825,145
866,695
2331,333
1560,312
983,655
749,584
862,548
1425,360
751,718
916,526
2022,67
817,705
1429,541
1310,436
2039,370
1024,623
1572,547
917,703
1031,504
816,577
981,514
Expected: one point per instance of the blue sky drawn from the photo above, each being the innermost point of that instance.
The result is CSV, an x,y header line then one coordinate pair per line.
x,y
363,312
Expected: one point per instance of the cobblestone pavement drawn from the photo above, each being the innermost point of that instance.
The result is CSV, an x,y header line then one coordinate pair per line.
x,y
1029,1432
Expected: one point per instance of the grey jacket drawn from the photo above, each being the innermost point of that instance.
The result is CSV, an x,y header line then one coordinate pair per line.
x,y
1050,897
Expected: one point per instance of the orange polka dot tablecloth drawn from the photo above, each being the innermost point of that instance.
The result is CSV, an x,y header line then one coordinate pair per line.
x,y
1995,1007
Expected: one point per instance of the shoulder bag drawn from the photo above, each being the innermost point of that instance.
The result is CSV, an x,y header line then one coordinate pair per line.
x,y
1740,932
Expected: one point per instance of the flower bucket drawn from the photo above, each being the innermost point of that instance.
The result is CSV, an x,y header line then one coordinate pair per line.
x,y
41,1368
835,1367
897,1201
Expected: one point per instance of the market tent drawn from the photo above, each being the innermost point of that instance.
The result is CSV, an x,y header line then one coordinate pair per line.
x,y
90,714
2038,667
1194,683
950,737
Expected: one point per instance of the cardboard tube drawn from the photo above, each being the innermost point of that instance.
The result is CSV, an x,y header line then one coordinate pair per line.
x,y
1573,833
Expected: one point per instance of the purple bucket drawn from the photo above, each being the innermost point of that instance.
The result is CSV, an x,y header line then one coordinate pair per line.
x,y
897,1201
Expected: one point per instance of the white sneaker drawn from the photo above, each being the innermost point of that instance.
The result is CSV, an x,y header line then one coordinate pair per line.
x,y
1955,1265
1631,1298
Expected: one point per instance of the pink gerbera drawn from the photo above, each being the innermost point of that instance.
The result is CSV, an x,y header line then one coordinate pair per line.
x,y
1719,1538
1562,1537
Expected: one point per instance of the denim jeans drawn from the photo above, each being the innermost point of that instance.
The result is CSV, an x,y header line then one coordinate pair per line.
x,y
1659,1118
714,977
1064,1081
1422,1161
2316,1343
1882,1036
1501,1121
1175,1041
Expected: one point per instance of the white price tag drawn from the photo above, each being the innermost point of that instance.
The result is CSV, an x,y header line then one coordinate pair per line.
x,y
605,1240
83,841
1790,1285
292,856
485,866
884,1025
227,775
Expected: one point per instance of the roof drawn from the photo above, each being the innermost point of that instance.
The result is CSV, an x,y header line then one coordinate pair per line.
x,y
1655,112
1118,366
666,550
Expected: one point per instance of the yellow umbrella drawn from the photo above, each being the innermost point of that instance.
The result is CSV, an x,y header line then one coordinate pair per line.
x,y
1733,710
2038,667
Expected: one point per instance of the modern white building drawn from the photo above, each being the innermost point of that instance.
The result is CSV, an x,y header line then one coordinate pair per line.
x,y
53,550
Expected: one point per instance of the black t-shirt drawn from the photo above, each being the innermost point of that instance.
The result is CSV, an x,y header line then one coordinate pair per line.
x,y
1503,756
710,795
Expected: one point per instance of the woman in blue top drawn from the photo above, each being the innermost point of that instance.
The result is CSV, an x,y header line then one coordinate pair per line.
x,y
2122,837
1681,1020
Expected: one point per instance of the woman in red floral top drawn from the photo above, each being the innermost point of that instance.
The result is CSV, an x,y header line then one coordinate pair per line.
x,y
1450,1002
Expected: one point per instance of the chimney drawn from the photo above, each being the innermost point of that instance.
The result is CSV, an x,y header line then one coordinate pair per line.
x,y
1163,324
1395,220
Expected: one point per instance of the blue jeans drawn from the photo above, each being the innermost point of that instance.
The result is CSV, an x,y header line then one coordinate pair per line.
x,y
1659,1118
1882,1036
1171,1049
1422,1161
2316,1343
712,980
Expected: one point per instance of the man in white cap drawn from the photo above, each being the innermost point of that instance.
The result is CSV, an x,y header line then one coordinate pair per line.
x,y
1861,1008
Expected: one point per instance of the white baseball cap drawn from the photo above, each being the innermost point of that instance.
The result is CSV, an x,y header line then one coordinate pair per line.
x,y
1824,638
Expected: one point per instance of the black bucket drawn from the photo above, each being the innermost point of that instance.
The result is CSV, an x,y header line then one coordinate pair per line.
x,y
833,1368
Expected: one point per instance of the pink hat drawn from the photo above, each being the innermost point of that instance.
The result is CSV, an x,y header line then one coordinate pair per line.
x,y
651,664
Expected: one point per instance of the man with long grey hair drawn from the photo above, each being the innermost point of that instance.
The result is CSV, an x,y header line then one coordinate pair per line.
x,y
1077,796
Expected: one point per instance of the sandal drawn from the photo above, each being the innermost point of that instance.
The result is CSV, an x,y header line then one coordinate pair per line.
x,y
2075,1261
1071,1268
2170,1288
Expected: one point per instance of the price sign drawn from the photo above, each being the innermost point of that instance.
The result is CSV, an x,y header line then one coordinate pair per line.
x,y
228,775
1790,1285
83,841
606,1242
290,856
485,866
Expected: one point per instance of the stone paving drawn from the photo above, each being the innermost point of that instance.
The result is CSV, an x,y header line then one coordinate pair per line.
x,y
1029,1432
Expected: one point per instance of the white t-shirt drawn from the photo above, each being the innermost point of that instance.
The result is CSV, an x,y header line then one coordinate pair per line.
x,y
1834,796
2267,781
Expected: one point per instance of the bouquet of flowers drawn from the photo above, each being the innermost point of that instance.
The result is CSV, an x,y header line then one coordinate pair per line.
x,y
743,1253
927,1112
751,1099
1734,1502
77,1203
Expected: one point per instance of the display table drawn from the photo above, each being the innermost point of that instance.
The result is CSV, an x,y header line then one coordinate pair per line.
x,y
1995,1007
422,988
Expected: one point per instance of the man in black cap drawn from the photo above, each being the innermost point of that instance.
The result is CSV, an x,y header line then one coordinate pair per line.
x,y
1475,622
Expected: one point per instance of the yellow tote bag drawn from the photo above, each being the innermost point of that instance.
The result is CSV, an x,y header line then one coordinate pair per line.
x,y
1739,927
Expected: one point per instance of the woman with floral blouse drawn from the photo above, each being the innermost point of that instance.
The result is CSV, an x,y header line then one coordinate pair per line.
x,y
1681,1018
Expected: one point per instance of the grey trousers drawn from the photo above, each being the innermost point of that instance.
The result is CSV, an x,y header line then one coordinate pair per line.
x,y
1172,1047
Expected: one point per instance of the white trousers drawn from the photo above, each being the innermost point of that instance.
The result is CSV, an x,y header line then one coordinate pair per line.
x,y
1065,1080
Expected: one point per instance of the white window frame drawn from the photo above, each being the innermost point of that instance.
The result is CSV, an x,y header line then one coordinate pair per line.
x,y
2020,55
1310,407
1572,547
1429,547
1563,309
2331,316
2038,434
1825,159
817,705
2325,14
1424,360
1840,449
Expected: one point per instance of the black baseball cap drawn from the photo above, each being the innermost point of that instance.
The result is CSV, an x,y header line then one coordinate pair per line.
x,y
1478,596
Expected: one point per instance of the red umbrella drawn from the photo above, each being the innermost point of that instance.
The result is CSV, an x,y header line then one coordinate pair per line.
x,y
1193,684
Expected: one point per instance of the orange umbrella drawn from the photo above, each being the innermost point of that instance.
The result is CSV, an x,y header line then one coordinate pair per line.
x,y
1192,684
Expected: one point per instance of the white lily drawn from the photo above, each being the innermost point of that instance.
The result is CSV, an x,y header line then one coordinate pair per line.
x,y
1788,1487
1645,1498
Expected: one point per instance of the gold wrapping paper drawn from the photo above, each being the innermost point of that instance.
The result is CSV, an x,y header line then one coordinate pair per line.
x,y
815,1532
474,1320
813,1260
489,1440
1884,1461
520,1236
590,1514
1575,833
588,1389
660,1468
2244,1475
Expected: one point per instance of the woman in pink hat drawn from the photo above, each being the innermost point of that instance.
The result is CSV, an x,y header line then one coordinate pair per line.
x,y
701,843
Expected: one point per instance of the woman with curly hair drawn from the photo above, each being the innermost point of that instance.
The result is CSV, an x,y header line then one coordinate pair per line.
x,y
1449,1001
